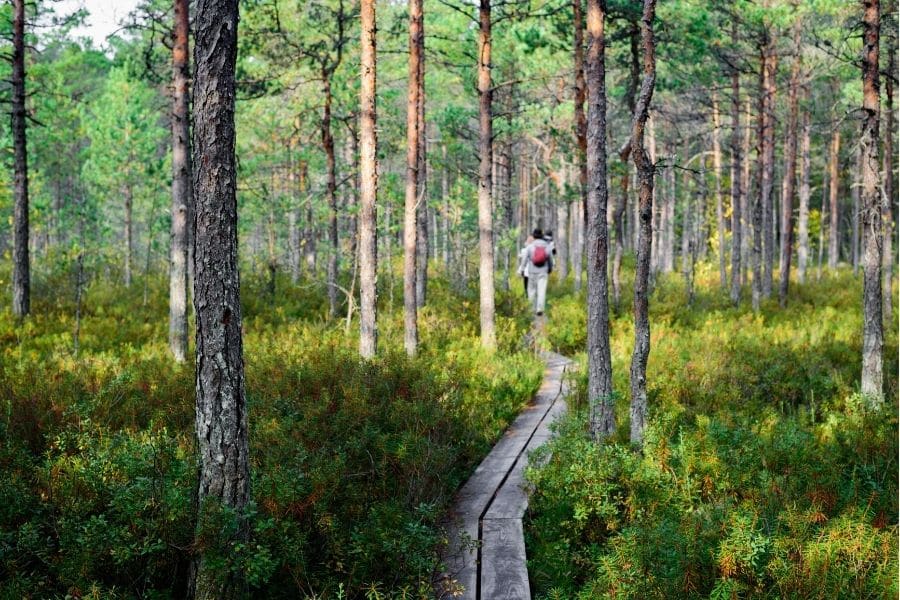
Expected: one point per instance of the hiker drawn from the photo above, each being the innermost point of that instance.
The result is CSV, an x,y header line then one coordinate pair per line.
x,y
539,263
522,269
548,237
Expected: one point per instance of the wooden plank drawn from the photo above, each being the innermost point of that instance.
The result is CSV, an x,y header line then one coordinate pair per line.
x,y
504,575
512,497
498,490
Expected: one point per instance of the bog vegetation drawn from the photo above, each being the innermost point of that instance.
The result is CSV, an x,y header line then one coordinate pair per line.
x,y
353,463
763,474
260,313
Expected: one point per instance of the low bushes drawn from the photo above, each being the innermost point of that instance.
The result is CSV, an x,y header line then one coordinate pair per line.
x,y
761,476
353,462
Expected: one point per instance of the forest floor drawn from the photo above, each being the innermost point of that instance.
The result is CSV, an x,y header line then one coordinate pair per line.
x,y
353,463
762,475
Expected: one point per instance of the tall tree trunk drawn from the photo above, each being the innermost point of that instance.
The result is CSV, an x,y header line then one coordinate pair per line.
x,y
822,221
762,206
768,164
485,217
790,168
222,439
600,390
833,166
445,199
579,216
353,196
181,186
21,261
410,229
309,228
128,195
368,188
330,194
421,176
293,218
746,202
576,222
508,211
803,218
873,335
854,217
887,217
562,241
645,171
669,247
736,188
720,212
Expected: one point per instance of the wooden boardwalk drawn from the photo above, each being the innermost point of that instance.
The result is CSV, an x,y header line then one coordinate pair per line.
x,y
485,559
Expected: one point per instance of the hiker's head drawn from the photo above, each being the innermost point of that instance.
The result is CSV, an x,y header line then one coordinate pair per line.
x,y
537,234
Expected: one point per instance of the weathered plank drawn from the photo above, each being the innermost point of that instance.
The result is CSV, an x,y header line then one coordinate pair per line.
x,y
487,562
504,575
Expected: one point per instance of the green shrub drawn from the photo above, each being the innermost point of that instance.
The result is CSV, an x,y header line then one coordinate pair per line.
x,y
353,462
763,474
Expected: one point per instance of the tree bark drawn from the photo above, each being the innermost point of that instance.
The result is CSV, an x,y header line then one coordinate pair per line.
x,y
368,189
822,221
873,334
768,163
746,202
600,391
21,260
410,221
562,241
128,195
645,172
485,205
854,217
181,186
579,216
330,193
790,168
720,213
669,255
803,217
445,199
736,188
833,248
221,416
762,208
421,176
887,217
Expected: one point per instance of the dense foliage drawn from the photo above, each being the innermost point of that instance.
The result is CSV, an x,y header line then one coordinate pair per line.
x,y
353,462
762,473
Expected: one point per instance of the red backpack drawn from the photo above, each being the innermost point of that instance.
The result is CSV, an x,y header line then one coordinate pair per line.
x,y
539,256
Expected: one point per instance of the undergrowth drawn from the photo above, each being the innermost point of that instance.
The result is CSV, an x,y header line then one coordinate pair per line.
x,y
353,462
763,475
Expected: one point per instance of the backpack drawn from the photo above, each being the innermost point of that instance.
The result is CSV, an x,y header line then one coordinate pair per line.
x,y
539,256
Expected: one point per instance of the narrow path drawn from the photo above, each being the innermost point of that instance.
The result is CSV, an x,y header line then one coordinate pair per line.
x,y
485,559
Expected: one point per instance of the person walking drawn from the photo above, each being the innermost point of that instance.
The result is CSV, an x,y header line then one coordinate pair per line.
x,y
539,263
522,269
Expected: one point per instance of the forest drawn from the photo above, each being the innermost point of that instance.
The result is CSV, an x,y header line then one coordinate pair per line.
x,y
283,281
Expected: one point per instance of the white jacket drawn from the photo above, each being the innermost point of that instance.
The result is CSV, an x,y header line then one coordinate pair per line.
x,y
530,268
